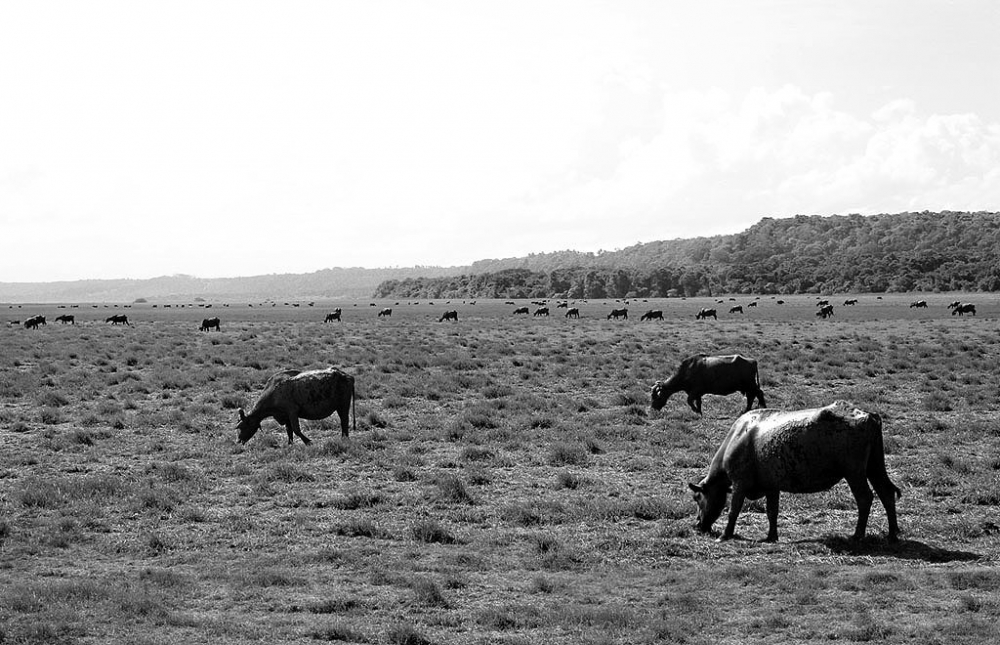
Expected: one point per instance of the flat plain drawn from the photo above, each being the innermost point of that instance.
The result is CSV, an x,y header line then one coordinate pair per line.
x,y
507,482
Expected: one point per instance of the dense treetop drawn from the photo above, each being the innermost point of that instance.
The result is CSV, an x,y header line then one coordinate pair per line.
x,y
944,251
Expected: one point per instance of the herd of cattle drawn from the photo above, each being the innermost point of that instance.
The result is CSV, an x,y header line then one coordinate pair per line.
x,y
825,309
766,452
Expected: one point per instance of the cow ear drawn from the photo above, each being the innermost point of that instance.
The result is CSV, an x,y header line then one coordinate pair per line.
x,y
696,488
243,416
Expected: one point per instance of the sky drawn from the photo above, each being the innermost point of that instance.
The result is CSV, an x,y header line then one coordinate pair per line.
x,y
222,138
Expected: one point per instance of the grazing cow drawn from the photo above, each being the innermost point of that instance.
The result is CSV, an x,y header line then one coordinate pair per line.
x,y
699,375
118,319
767,452
618,313
208,324
967,308
449,315
738,309
919,304
333,316
953,304
573,312
66,319
705,313
522,310
385,312
562,305
822,303
652,314
34,322
825,311
291,395
541,311
850,302
752,304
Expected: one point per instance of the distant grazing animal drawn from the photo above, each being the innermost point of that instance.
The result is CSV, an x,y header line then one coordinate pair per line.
x,y
768,452
781,302
119,319
752,304
449,315
822,303
919,304
208,324
953,304
541,311
825,311
66,319
618,313
738,309
850,302
562,305
333,316
291,395
34,322
652,314
385,312
961,310
573,312
522,310
705,313
700,375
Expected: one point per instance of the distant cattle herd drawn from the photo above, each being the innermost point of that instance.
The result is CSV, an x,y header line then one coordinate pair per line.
x,y
825,309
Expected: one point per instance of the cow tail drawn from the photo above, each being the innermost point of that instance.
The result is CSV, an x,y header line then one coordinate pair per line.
x,y
876,458
354,405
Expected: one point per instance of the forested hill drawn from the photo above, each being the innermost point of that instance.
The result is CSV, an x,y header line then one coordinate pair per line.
x,y
946,251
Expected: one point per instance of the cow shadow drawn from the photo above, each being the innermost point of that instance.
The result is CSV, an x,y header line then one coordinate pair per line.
x,y
902,549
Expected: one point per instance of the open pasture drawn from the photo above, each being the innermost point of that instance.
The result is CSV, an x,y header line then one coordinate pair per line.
x,y
507,483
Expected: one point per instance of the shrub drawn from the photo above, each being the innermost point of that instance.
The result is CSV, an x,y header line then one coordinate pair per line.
x,y
453,490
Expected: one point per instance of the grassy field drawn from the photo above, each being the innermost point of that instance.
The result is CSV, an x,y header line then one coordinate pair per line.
x,y
507,482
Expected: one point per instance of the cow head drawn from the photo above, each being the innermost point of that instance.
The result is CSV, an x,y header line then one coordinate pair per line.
x,y
711,499
248,427
662,390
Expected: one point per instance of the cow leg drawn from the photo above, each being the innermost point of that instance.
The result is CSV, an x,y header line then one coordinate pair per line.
x,y
293,427
750,398
694,404
772,516
887,495
345,428
863,496
734,512
760,397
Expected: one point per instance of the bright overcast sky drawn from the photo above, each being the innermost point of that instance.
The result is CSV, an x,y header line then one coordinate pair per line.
x,y
229,138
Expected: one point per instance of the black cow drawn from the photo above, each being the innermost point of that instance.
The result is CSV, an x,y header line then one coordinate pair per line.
x,y
118,319
385,313
449,315
541,311
333,316
34,322
919,304
522,310
208,324
738,309
705,313
618,313
701,374
825,311
66,319
573,312
967,308
652,314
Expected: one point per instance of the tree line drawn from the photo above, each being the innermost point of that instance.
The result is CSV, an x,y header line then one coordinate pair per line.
x,y
927,251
